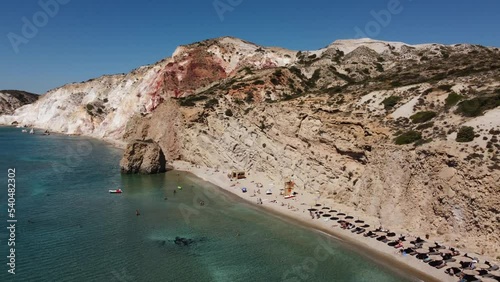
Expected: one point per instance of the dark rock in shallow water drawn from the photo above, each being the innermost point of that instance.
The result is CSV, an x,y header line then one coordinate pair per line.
x,y
144,157
183,241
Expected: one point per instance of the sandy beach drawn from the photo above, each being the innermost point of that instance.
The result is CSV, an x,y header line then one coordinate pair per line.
x,y
297,209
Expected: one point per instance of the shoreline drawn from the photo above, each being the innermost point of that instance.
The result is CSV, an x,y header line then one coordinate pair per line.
x,y
368,247
365,246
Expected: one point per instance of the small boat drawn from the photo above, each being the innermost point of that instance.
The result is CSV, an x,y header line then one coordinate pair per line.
x,y
179,187
289,196
115,191
269,192
24,131
32,131
244,190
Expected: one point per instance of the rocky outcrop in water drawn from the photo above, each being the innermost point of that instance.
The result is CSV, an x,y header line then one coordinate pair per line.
x,y
144,157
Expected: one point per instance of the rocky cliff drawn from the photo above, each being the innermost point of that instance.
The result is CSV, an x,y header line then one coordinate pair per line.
x,y
406,133
10,100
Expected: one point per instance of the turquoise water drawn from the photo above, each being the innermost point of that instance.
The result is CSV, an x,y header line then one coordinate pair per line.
x,y
71,229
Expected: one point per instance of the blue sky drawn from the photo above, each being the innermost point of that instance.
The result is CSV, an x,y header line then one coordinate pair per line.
x,y
89,38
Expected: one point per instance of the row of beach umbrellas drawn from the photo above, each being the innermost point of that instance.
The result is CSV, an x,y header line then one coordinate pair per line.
x,y
426,250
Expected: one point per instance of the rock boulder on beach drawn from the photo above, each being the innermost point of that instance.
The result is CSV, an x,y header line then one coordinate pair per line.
x,y
143,157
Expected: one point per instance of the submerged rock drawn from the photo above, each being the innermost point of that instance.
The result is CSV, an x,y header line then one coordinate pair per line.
x,y
144,157
183,241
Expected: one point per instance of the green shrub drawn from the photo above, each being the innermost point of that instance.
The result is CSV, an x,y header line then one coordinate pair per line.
x,y
422,117
445,87
314,78
210,104
228,113
90,107
408,137
248,70
465,134
452,99
425,125
390,102
396,83
249,98
190,100
476,106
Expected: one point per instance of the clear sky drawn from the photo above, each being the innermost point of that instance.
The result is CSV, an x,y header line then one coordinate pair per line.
x,y
81,39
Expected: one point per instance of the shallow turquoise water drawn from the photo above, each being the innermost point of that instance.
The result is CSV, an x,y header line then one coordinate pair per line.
x,y
71,229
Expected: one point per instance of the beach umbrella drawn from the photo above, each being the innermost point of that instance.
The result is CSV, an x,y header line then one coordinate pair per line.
x,y
333,210
349,217
436,257
422,251
360,221
407,244
470,272
327,215
334,218
427,245
495,273
325,208
439,246
312,210
482,265
320,212
445,251
317,205
341,214
464,259
366,226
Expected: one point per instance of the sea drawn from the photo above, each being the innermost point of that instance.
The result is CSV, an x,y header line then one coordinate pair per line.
x,y
60,223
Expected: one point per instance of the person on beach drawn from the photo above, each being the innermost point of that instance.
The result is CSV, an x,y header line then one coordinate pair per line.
x,y
399,244
175,192
137,213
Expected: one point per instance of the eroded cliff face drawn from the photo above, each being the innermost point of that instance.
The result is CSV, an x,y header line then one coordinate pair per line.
x,y
10,100
433,188
327,119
